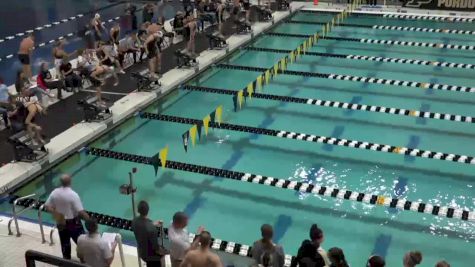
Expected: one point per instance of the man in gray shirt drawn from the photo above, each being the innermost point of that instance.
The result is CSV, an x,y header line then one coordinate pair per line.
x,y
265,252
146,234
92,249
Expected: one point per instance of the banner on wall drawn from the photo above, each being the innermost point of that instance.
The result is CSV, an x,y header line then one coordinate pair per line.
x,y
460,5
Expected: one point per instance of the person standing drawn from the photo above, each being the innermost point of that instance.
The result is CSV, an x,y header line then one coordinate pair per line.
x,y
412,258
4,102
154,53
146,234
265,246
67,210
337,257
92,249
178,236
202,257
147,13
24,54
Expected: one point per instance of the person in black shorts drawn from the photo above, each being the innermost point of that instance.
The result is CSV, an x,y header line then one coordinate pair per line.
x,y
153,53
247,7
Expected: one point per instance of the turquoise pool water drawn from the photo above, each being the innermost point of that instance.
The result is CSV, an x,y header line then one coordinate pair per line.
x,y
234,211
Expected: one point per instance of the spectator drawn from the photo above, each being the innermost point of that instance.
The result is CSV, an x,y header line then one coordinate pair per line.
x,y
128,45
71,79
442,263
152,47
146,234
98,28
24,54
178,23
17,114
130,10
202,257
412,258
67,210
376,261
317,237
24,87
33,109
178,236
307,256
4,102
58,55
274,253
46,81
114,34
337,258
147,13
92,249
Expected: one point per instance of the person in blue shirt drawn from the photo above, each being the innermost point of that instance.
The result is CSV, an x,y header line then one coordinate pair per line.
x,y
4,96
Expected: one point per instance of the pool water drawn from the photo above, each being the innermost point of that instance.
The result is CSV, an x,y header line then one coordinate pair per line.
x,y
232,210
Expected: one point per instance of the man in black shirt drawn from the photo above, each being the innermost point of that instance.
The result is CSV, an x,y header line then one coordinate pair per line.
x,y
146,234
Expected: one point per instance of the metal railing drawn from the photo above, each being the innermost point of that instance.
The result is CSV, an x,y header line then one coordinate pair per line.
x,y
17,213
32,256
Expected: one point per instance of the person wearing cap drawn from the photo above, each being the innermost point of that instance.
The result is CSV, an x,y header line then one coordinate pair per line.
x,y
67,210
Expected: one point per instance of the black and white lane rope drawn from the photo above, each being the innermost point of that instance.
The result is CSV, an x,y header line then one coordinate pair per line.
x,y
425,17
377,41
373,58
404,43
320,139
125,224
63,37
371,199
435,86
398,16
55,23
340,105
391,28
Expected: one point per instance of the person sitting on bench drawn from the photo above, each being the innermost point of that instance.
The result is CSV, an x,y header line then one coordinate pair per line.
x,y
45,80
71,79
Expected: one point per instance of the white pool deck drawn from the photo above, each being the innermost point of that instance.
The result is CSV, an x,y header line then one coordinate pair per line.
x,y
12,248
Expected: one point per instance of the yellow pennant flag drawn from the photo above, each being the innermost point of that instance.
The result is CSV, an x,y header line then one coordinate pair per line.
x,y
276,69
259,83
315,38
333,22
240,98
283,65
267,76
219,114
250,89
163,156
298,51
193,130
304,47
310,39
292,57
206,121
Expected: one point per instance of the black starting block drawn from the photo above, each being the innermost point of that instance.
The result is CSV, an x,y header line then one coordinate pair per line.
x,y
25,149
216,41
242,26
282,5
145,83
93,112
264,13
184,59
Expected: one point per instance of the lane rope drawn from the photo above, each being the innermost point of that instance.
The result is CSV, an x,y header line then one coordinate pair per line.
x,y
340,105
56,23
319,139
376,200
377,41
373,58
125,224
435,86
391,28
398,16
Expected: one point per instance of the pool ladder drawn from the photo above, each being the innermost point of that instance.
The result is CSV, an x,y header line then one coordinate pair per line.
x,y
16,213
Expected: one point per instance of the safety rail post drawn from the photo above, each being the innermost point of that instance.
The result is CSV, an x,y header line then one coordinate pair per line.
x,y
15,214
51,241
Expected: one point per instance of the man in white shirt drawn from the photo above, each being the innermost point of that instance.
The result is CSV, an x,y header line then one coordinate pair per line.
x,y
93,250
67,210
179,238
